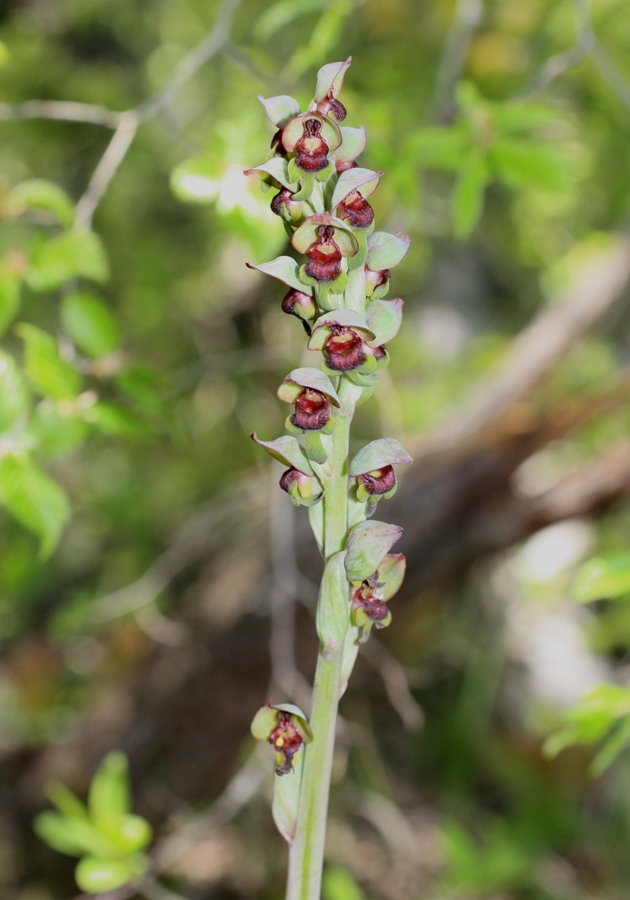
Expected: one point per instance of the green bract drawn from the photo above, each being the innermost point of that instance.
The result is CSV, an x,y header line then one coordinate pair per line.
x,y
384,318
294,131
287,451
386,250
352,145
292,386
333,614
307,234
286,270
275,168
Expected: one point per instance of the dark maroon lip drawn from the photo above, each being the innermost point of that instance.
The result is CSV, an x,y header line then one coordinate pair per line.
x,y
324,257
344,350
312,149
381,483
375,608
290,740
312,410
331,105
356,211
295,298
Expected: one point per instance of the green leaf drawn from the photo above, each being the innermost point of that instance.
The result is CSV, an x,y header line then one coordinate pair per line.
x,y
439,148
71,835
10,286
109,798
90,324
613,747
34,499
47,197
525,164
55,432
333,611
468,195
49,374
65,801
602,578
339,884
133,833
515,118
95,875
14,398
196,180
73,254
367,545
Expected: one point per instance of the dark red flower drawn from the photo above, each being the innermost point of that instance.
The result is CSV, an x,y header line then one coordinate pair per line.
x,y
356,210
312,149
284,198
366,599
312,410
324,257
379,481
295,303
331,105
344,349
286,739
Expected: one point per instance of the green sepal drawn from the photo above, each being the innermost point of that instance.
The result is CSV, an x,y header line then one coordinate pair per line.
x,y
298,499
361,380
264,723
388,494
391,573
315,449
333,619
367,545
324,174
365,395
381,291
329,427
378,454
363,495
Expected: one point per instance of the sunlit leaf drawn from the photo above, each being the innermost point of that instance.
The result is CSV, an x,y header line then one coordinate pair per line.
x,y
10,286
34,499
49,374
96,875
14,397
90,324
109,798
73,254
71,835
468,195
603,578
522,164
45,196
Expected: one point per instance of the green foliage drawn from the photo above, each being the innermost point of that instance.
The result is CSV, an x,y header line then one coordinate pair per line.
x,y
90,324
602,715
603,578
338,884
107,837
34,499
44,196
481,147
50,375
72,254
478,869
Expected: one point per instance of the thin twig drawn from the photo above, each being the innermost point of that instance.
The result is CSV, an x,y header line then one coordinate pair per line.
x,y
468,15
61,111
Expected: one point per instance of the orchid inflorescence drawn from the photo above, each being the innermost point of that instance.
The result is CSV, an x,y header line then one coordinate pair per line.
x,y
321,195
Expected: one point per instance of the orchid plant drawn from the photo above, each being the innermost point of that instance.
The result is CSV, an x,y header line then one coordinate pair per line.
x,y
321,196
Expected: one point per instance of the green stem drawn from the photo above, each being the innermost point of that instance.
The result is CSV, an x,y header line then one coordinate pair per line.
x,y
306,856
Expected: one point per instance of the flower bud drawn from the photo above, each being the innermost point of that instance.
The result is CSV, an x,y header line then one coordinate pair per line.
x,y
356,210
344,350
312,149
331,105
374,280
284,206
379,481
342,165
296,303
296,484
324,256
312,410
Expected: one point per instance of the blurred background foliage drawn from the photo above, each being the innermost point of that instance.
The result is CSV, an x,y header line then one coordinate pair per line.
x,y
147,565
